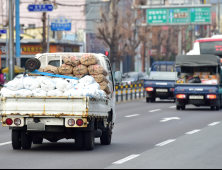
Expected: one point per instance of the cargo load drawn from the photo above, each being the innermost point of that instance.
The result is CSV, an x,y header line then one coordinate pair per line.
x,y
88,59
65,69
51,69
80,70
97,69
71,60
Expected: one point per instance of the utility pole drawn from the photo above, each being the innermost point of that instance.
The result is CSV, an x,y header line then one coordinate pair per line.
x,y
11,40
218,16
48,37
44,44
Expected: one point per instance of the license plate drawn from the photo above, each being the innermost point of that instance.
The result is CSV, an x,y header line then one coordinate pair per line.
x,y
161,90
31,126
196,97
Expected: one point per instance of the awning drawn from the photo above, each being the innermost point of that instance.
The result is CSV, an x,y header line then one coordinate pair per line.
x,y
197,60
17,69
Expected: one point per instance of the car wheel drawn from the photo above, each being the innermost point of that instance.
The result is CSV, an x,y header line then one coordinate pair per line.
x,y
31,64
38,63
106,137
178,107
89,140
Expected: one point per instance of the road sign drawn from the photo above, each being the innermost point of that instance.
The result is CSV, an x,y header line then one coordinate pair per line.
x,y
156,16
40,8
3,31
200,15
61,23
177,15
180,15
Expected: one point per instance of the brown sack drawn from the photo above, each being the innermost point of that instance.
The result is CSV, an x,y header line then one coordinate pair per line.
x,y
51,69
97,69
80,70
65,69
88,59
104,86
79,76
41,70
71,60
71,75
100,78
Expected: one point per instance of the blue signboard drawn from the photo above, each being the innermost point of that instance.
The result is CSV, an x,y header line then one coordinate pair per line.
x,y
61,24
3,31
40,8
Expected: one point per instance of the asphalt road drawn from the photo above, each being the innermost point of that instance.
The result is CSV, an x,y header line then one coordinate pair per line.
x,y
152,135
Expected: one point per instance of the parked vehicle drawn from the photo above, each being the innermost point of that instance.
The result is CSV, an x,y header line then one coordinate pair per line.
x,y
165,66
160,85
132,77
33,119
200,81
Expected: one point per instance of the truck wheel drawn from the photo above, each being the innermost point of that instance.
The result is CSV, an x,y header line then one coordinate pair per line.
x,y
147,100
26,141
79,145
37,141
217,108
38,62
153,100
183,107
212,107
16,139
178,107
106,137
31,64
89,140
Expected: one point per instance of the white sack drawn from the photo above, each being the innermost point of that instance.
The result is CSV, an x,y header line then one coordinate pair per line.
x,y
95,85
79,86
16,84
7,93
73,92
73,81
48,85
23,93
31,83
87,80
55,93
64,85
39,92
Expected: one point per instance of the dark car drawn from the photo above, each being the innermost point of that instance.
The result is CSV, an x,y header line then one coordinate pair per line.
x,y
132,77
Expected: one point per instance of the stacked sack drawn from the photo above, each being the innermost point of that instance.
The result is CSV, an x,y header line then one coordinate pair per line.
x,y
44,86
90,62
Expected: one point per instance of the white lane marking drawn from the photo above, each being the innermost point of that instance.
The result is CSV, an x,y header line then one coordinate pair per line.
x,y
132,115
213,124
6,143
170,118
192,132
173,107
166,142
126,159
155,110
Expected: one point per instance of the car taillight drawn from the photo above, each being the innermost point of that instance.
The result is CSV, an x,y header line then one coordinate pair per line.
x,y
17,121
9,122
181,96
79,122
211,96
71,122
149,89
172,89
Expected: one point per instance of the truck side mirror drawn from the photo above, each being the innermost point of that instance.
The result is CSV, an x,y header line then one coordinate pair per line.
x,y
118,77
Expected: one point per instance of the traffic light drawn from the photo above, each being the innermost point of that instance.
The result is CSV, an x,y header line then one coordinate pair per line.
x,y
107,53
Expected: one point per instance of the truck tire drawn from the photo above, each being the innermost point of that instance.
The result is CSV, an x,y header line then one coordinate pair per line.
x,y
79,145
178,107
147,100
106,137
16,139
31,64
153,100
38,62
89,140
212,107
183,107
217,108
37,141
26,141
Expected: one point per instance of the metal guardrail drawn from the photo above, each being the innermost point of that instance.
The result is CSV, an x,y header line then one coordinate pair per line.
x,y
130,92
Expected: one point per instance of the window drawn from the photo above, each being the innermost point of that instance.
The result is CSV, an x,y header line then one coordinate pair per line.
x,y
31,25
55,63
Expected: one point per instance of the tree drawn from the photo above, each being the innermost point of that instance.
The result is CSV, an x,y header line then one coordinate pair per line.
x,y
110,30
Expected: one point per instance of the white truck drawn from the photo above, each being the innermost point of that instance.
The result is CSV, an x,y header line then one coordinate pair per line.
x,y
33,119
